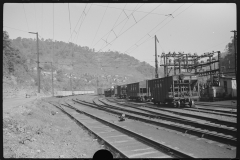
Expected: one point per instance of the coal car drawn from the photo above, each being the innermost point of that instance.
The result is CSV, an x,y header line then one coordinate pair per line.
x,y
138,91
177,90
122,91
109,92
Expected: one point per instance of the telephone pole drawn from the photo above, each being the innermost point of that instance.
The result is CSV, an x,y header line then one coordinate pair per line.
x,y
38,70
156,61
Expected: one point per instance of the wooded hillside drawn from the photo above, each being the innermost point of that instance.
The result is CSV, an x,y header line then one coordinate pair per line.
x,y
89,70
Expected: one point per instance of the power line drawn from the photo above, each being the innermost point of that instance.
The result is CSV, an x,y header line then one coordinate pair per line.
x,y
72,32
16,29
82,20
164,25
215,45
42,18
100,24
25,16
129,15
110,31
69,21
153,28
79,19
35,16
129,10
53,33
175,16
132,25
117,20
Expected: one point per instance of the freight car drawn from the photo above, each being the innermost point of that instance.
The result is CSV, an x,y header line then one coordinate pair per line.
x,y
63,93
115,91
108,92
138,91
82,92
122,91
177,90
100,91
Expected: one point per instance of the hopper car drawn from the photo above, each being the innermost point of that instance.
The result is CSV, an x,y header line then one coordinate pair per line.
x,y
176,90
109,92
122,91
138,91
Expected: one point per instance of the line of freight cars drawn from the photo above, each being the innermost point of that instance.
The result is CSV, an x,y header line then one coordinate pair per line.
x,y
71,93
177,90
107,92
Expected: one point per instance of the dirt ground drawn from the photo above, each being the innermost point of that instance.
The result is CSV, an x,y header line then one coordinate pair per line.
x,y
36,129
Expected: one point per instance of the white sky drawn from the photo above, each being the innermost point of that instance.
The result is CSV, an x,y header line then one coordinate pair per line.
x,y
195,27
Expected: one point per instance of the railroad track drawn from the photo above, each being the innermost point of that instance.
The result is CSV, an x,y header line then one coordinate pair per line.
x,y
153,109
221,113
174,123
214,105
119,138
224,112
217,111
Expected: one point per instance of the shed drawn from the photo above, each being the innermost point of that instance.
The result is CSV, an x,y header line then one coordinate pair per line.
x,y
229,85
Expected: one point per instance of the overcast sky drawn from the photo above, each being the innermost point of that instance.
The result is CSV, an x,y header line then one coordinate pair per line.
x,y
128,27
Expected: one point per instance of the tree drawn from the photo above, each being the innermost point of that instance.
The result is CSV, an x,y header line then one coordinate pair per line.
x,y
60,76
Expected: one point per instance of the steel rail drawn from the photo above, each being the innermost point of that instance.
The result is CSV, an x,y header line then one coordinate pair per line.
x,y
211,112
228,131
217,121
215,111
119,153
200,133
142,138
214,105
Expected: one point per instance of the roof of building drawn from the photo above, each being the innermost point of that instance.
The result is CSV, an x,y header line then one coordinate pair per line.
x,y
228,77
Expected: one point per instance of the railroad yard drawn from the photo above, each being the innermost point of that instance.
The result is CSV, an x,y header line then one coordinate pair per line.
x,y
155,92
149,131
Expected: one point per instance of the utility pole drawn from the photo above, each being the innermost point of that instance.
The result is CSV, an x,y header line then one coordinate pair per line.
x,y
38,71
156,61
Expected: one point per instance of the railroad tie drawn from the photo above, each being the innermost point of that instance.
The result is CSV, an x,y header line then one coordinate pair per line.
x,y
141,154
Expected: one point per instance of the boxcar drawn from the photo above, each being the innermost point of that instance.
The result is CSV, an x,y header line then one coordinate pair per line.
x,y
122,91
100,91
138,91
177,90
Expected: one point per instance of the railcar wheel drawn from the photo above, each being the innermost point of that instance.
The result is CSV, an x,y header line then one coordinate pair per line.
x,y
192,104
